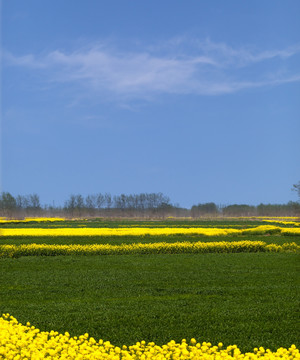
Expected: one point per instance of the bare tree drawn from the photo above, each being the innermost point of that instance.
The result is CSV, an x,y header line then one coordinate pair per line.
x,y
91,204
34,202
100,200
296,187
70,204
108,200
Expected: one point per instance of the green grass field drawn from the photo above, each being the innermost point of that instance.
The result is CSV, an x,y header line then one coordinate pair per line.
x,y
247,299
118,240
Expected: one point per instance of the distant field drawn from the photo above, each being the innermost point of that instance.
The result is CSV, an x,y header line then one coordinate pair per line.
x,y
248,299
104,223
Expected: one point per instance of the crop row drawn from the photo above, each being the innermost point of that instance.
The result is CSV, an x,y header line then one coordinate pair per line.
x,y
21,342
134,231
149,248
35,219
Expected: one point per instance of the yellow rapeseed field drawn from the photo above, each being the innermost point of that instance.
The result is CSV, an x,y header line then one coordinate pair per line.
x,y
138,231
294,223
25,342
132,231
26,220
149,248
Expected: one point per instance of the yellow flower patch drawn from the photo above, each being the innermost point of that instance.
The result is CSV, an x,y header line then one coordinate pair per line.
x,y
22,342
149,248
138,231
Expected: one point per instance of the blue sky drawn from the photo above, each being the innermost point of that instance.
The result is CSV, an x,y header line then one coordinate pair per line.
x,y
198,100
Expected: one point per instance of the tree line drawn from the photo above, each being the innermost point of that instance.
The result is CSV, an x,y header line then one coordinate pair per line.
x,y
289,209
149,205
118,205
144,204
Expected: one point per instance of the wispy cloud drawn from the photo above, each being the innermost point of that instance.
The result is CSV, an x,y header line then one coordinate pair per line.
x,y
178,67
244,56
28,60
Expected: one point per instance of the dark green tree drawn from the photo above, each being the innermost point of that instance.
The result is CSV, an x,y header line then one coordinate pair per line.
x,y
8,204
204,209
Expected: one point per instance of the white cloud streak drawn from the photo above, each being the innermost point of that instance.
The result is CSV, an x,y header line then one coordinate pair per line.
x,y
209,69
243,56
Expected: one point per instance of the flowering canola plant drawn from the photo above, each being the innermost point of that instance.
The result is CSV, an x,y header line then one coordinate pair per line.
x,y
24,342
138,231
294,223
113,231
35,219
149,248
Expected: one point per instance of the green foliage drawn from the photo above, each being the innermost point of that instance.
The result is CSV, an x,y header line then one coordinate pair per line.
x,y
204,209
290,209
248,299
7,204
239,210
244,299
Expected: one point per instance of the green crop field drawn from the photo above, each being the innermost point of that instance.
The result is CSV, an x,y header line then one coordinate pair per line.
x,y
247,299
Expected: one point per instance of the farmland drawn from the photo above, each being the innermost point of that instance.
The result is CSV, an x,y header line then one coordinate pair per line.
x,y
247,295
